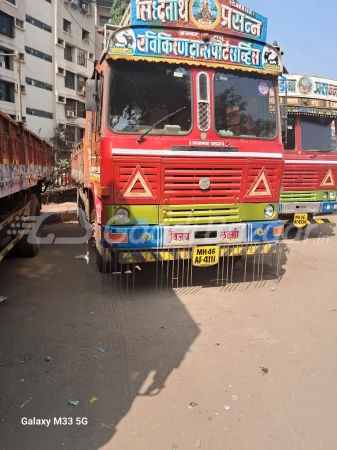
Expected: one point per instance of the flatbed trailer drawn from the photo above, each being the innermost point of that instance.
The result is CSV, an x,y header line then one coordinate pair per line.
x,y
26,166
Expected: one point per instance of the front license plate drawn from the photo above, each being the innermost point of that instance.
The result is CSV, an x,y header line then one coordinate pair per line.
x,y
206,256
300,220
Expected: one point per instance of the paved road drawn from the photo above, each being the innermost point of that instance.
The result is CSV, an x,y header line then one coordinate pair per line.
x,y
258,360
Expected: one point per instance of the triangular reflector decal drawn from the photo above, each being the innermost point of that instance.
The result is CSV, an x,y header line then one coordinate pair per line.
x,y
329,179
261,186
144,190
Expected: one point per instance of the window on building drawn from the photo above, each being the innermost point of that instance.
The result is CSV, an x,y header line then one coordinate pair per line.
x,y
81,57
61,99
39,84
81,110
6,24
81,84
39,113
85,36
12,2
6,91
103,20
20,23
70,80
66,26
38,23
60,42
5,60
60,71
80,133
84,6
70,133
91,56
68,52
38,54
70,105
49,1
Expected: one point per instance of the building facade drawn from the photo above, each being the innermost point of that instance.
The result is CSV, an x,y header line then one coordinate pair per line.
x,y
103,8
56,40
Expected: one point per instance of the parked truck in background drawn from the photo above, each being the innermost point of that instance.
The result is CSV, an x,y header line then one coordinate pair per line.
x,y
26,165
309,183
182,157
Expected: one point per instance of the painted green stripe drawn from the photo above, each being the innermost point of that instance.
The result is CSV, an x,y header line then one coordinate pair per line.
x,y
306,196
191,214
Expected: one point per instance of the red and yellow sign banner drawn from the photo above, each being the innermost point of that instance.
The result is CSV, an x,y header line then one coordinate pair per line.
x,y
224,16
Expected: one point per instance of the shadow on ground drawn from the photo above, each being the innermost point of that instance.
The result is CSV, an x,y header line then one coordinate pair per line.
x,y
312,231
59,307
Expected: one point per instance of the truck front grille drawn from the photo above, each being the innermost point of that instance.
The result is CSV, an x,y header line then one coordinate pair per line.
x,y
199,214
306,196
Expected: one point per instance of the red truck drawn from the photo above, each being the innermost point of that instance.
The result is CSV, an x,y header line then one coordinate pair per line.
x,y
26,165
182,157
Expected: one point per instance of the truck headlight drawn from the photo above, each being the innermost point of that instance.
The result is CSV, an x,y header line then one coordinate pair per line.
x,y
325,195
269,211
121,215
332,195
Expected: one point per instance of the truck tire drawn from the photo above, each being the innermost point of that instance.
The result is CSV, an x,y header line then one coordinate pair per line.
x,y
104,258
24,248
79,205
104,261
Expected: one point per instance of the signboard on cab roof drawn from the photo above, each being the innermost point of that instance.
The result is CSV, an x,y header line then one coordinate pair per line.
x,y
225,16
216,33
309,95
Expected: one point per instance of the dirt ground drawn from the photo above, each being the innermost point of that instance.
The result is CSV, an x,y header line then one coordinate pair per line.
x,y
246,367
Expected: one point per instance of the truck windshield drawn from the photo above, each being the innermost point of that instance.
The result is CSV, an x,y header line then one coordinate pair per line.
x,y
142,94
318,133
244,105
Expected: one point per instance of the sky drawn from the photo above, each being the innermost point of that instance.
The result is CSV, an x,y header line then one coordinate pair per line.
x,y
306,30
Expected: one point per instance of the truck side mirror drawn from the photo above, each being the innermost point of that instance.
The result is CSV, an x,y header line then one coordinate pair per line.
x,y
94,94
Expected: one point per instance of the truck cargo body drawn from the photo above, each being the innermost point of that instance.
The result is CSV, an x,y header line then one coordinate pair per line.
x,y
26,165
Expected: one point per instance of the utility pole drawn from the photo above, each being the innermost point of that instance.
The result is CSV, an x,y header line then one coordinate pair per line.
x,y
18,68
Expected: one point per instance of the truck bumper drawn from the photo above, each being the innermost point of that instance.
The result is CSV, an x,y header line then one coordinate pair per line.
x,y
175,254
142,237
307,208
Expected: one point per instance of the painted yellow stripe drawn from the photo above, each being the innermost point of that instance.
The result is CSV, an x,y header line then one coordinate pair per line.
x,y
184,254
129,258
148,257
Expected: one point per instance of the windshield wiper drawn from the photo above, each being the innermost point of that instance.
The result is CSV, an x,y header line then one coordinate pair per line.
x,y
141,137
321,151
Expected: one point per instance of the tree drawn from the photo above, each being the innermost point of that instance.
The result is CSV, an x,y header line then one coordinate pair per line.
x,y
59,140
117,11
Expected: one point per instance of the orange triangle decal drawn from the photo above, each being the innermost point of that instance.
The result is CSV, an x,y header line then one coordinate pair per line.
x,y
260,187
143,190
329,179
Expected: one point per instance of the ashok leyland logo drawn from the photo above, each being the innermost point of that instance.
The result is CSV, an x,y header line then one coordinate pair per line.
x,y
204,183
